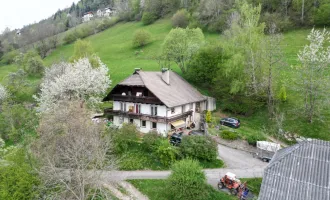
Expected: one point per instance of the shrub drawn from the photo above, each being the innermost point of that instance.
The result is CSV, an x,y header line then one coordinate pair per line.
x,y
180,19
148,18
187,181
166,152
151,140
124,138
282,23
208,117
228,135
282,95
69,38
9,57
321,15
252,139
199,147
141,38
32,63
18,180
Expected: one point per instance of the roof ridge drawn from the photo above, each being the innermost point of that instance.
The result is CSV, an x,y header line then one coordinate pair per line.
x,y
277,161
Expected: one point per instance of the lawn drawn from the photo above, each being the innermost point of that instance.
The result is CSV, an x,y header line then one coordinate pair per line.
x,y
156,190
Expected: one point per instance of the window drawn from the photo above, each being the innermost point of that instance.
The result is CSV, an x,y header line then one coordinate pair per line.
x,y
131,121
154,125
198,105
123,107
138,108
143,123
154,110
172,110
130,108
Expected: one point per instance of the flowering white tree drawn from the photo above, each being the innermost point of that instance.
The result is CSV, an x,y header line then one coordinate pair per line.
x,y
73,81
314,71
3,93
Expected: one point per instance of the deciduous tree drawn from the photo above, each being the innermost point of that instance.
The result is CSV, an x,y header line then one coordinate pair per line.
x,y
73,81
72,151
181,44
314,73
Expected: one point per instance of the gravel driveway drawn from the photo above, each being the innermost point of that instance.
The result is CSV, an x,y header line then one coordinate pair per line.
x,y
237,159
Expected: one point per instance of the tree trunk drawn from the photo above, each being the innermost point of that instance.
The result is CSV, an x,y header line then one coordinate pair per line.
x,y
302,11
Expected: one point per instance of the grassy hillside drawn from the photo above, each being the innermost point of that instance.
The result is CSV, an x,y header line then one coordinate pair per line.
x,y
114,46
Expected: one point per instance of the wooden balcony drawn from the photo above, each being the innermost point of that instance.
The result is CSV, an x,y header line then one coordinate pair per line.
x,y
145,117
136,99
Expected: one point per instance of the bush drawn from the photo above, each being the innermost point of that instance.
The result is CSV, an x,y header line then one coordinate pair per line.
x,y
18,180
150,141
69,38
9,57
208,116
141,38
148,18
32,63
282,23
199,147
124,138
252,139
282,95
228,135
180,19
166,152
321,15
187,181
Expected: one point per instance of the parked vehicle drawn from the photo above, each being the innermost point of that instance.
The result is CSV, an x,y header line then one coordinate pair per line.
x,y
266,150
234,185
230,122
176,138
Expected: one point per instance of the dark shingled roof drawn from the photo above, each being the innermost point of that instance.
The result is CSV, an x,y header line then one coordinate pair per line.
x,y
299,172
178,92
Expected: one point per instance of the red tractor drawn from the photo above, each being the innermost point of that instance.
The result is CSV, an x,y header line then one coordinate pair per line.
x,y
234,185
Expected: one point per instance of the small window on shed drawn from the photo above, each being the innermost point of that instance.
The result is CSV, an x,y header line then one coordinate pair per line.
x,y
143,123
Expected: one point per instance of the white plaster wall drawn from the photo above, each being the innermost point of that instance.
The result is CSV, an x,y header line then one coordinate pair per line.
x,y
145,109
161,128
147,128
177,111
126,120
137,122
116,105
161,111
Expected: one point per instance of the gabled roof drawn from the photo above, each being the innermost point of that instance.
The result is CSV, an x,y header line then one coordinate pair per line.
x,y
301,171
177,93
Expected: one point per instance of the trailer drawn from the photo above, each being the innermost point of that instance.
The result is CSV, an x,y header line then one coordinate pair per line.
x,y
266,150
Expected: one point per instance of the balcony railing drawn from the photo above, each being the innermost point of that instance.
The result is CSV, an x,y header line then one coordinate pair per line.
x,y
136,99
145,117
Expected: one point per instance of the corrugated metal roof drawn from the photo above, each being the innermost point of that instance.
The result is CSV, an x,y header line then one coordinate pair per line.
x,y
299,172
178,92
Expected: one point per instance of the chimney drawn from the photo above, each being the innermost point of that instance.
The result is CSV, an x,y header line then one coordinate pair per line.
x,y
136,70
166,75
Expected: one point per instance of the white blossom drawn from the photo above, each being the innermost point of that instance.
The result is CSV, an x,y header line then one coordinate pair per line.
x,y
3,93
73,81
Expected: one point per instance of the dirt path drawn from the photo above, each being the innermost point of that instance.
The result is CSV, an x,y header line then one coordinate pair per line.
x,y
131,193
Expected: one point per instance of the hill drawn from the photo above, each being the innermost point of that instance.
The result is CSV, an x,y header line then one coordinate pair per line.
x,y
114,47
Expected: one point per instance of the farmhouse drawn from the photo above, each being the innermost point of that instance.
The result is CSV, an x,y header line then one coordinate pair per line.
x,y
87,16
301,171
160,101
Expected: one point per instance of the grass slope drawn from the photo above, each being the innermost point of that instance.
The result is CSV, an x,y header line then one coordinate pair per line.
x,y
156,190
